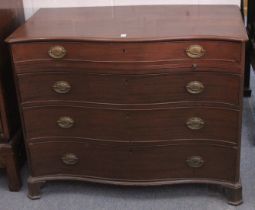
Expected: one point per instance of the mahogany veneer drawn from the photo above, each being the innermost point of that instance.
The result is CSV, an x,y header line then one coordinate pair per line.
x,y
136,95
11,16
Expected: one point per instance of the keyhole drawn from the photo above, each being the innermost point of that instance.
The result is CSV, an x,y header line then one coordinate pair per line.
x,y
124,50
194,66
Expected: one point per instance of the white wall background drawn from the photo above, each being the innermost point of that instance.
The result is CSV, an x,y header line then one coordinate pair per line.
x,y
32,6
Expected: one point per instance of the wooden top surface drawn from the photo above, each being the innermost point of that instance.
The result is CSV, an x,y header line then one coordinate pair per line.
x,y
134,23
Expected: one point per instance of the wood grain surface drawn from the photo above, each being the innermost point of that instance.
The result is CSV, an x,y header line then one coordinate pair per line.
x,y
134,23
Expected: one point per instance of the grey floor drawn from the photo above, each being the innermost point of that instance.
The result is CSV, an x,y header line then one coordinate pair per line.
x,y
84,196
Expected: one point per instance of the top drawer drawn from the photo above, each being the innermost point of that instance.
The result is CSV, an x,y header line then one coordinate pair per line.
x,y
176,52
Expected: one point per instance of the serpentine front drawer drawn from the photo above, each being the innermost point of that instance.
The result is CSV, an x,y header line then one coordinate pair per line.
x,y
109,163
178,51
140,125
141,89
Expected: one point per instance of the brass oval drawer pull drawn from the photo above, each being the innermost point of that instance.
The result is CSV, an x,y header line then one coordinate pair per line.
x,y
195,51
62,87
195,162
70,159
57,52
195,123
65,122
195,87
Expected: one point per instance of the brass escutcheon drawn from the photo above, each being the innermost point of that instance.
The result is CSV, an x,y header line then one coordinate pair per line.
x,y
195,87
61,87
195,51
69,159
57,52
195,162
65,122
195,123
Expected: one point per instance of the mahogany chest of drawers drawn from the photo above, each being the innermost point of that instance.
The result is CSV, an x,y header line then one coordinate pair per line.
x,y
137,95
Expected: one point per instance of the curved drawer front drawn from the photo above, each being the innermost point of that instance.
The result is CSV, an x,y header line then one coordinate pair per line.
x,y
130,89
132,125
178,51
132,163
